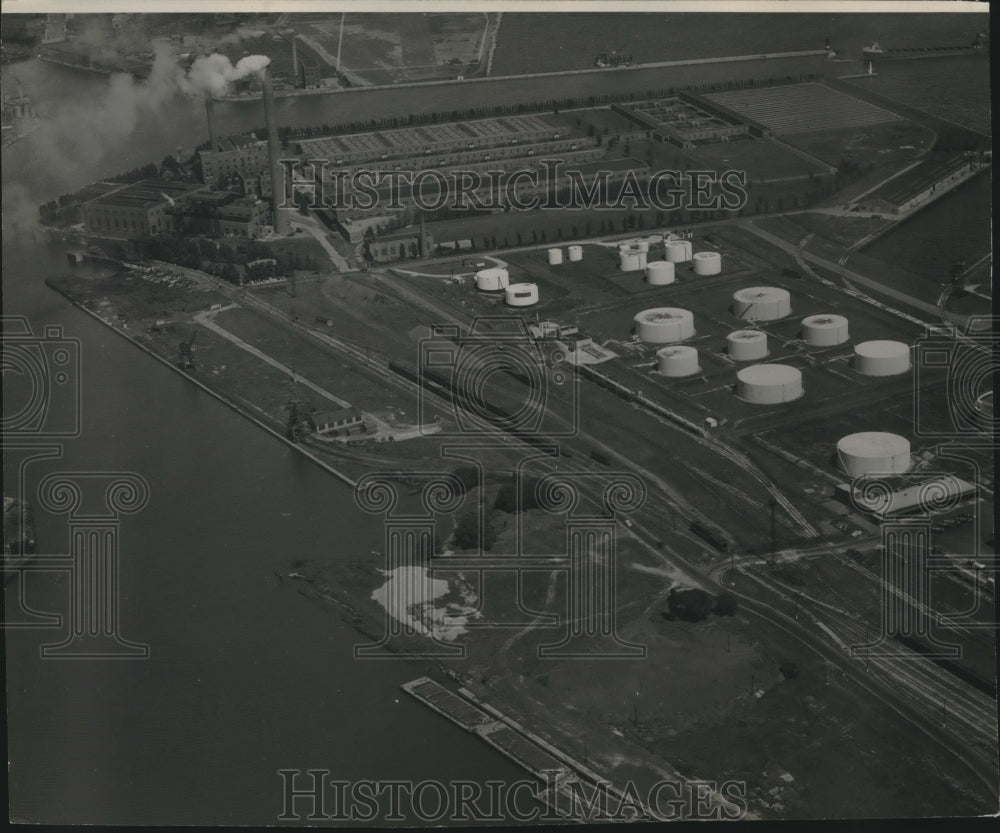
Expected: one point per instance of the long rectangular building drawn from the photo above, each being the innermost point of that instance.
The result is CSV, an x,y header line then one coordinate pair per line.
x,y
136,211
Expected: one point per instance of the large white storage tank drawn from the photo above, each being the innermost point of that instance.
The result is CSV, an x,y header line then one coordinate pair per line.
x,y
824,330
873,452
677,251
660,273
677,360
521,294
761,303
747,345
555,257
664,325
769,384
631,260
493,279
575,253
881,358
707,263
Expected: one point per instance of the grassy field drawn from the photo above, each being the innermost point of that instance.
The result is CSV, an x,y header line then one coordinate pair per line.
x,y
761,159
882,145
955,227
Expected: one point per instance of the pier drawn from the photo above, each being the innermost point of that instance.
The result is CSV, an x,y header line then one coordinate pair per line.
x,y
566,784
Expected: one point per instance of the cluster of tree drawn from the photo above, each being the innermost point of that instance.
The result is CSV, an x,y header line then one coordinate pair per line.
x,y
59,213
506,499
694,605
134,175
467,530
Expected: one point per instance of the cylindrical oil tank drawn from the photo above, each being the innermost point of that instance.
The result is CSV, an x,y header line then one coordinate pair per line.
x,y
707,263
677,360
881,358
747,345
575,253
677,251
769,384
493,279
761,303
555,257
659,273
664,325
873,452
642,245
631,260
824,330
521,294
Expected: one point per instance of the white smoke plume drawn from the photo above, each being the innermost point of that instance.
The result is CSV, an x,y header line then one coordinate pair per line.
x,y
214,74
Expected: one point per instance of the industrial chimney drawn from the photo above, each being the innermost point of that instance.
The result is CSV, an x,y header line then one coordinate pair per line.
x,y
277,185
210,112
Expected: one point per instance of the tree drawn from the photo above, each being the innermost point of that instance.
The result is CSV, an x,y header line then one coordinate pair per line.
x,y
689,605
789,670
506,500
725,604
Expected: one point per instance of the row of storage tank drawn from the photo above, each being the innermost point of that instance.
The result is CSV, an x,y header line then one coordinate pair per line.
x,y
633,256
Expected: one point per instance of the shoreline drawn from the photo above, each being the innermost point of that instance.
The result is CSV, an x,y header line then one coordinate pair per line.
x,y
207,389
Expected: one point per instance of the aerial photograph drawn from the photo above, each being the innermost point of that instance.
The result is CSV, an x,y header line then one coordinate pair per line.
x,y
494,414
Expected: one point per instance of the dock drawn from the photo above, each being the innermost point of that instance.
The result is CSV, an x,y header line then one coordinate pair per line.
x,y
565,783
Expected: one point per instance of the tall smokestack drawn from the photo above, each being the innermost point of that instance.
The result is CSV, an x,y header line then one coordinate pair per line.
x,y
210,112
277,189
295,59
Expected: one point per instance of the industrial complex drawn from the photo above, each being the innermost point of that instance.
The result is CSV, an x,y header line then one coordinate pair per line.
x,y
736,440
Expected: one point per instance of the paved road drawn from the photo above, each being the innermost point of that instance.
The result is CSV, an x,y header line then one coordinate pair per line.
x,y
313,227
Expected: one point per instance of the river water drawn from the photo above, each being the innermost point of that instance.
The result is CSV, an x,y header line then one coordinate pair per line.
x,y
245,676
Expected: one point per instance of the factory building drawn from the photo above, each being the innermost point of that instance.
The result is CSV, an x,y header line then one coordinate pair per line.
x,y
343,421
399,245
134,212
232,156
221,214
948,490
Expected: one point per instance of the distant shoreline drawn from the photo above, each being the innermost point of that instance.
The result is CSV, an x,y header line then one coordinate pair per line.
x,y
807,53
